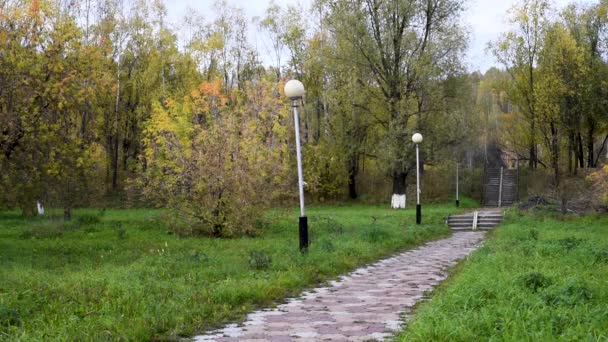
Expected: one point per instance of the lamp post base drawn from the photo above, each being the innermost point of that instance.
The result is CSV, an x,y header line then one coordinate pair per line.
x,y
418,214
457,203
303,233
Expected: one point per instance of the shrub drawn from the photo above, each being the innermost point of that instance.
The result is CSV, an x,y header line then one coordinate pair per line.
x,y
215,166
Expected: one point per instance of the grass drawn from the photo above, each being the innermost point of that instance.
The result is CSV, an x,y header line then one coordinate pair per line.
x,y
540,277
122,276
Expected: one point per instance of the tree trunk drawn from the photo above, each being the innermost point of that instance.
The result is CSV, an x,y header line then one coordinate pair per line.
x,y
116,133
67,202
399,190
532,162
555,155
599,154
590,147
581,154
67,212
571,169
115,164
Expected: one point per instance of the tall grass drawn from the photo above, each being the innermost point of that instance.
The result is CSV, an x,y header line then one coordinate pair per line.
x,y
540,277
122,275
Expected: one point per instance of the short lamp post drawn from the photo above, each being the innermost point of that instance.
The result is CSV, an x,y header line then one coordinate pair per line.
x,y
294,90
417,139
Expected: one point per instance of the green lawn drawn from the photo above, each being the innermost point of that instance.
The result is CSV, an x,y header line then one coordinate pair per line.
x,y
126,278
538,278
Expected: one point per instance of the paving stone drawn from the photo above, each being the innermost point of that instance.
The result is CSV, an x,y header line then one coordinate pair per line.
x,y
366,305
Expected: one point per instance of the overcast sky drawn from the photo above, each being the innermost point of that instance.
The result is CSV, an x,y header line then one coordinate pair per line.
x,y
486,19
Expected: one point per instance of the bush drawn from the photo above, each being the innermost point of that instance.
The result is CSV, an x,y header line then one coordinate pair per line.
x,y
213,165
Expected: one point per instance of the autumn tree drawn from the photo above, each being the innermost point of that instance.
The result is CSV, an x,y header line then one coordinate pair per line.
x,y
48,130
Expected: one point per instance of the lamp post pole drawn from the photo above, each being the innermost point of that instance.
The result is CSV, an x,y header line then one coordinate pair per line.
x,y
457,194
417,139
294,90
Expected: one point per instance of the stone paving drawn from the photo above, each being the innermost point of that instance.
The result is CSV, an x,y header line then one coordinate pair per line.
x,y
365,305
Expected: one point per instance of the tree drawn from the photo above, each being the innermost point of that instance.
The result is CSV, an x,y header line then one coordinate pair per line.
x,y
46,105
405,45
587,24
518,51
561,73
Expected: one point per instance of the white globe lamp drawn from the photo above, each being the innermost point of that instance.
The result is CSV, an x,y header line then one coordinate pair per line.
x,y
294,89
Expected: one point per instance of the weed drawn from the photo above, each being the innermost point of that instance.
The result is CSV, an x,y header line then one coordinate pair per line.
x,y
535,281
574,293
329,224
199,256
601,256
85,220
375,234
121,233
533,234
9,317
570,243
327,246
259,260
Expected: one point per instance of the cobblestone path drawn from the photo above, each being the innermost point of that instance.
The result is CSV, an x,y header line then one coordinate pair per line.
x,y
365,305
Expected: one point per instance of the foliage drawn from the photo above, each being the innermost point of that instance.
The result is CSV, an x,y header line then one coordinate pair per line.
x,y
523,286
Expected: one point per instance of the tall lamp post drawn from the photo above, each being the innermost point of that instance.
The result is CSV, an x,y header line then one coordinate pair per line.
x,y
457,193
417,139
294,90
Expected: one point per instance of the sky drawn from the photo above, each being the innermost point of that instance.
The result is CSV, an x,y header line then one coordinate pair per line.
x,y
485,19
